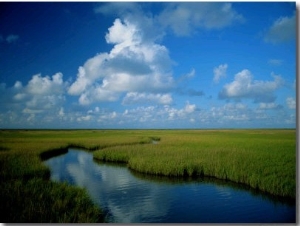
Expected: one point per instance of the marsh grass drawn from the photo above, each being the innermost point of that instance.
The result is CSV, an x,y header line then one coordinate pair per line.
x,y
262,159
40,201
26,193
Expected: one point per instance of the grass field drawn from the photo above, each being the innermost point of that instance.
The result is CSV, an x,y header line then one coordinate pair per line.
x,y
262,159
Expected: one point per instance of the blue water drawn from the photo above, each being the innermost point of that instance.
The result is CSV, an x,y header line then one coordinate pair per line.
x,y
128,197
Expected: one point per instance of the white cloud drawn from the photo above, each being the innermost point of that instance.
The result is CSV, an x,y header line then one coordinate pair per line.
x,y
40,89
31,111
220,72
133,65
88,73
282,30
290,120
191,74
18,85
180,114
139,117
84,118
244,86
38,102
268,106
146,98
220,115
234,114
137,15
189,108
61,112
185,18
291,103
45,85
122,33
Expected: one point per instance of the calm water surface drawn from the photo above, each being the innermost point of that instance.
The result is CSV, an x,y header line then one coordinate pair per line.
x,y
129,197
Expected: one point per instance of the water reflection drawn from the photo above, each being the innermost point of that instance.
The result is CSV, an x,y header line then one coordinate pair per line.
x,y
128,196
221,184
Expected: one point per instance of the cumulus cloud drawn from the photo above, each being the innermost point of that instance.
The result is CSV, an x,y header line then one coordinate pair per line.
x,y
225,115
39,101
282,30
185,18
291,103
137,14
220,72
240,114
175,114
36,88
244,86
133,65
135,98
228,112
268,106
88,73
137,64
218,116
44,85
189,108
159,116
42,93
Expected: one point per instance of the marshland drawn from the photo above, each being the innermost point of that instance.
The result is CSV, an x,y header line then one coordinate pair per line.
x,y
262,160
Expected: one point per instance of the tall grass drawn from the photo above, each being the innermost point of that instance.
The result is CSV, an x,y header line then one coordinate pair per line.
x,y
39,201
25,194
262,159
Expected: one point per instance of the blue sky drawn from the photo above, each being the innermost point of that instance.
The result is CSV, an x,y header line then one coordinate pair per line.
x,y
148,65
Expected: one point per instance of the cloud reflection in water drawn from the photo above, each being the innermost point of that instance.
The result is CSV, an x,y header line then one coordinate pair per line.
x,y
127,197
112,187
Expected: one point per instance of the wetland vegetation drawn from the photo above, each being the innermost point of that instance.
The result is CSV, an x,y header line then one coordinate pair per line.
x,y
263,159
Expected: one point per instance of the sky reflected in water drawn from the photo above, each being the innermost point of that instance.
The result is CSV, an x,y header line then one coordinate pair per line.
x,y
130,197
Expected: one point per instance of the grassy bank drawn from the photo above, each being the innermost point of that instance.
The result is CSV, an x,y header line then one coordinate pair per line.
x,y
263,159
26,193
37,200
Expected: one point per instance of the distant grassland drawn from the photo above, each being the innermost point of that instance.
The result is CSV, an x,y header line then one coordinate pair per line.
x,y
263,159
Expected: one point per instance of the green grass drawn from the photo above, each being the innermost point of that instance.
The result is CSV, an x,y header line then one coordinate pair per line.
x,y
26,193
37,200
262,159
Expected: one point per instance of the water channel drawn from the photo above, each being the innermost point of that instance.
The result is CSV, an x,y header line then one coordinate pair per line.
x,y
129,197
